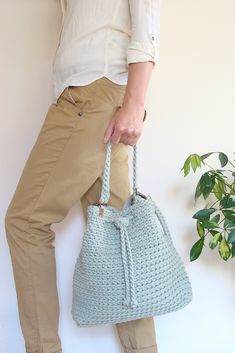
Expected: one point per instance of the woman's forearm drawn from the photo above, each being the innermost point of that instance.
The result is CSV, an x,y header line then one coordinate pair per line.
x,y
138,79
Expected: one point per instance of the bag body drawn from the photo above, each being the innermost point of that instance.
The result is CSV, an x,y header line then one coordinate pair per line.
x,y
128,267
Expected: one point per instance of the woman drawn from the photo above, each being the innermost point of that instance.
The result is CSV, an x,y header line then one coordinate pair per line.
x,y
106,53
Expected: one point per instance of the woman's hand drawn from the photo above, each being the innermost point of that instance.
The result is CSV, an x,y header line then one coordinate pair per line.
x,y
126,125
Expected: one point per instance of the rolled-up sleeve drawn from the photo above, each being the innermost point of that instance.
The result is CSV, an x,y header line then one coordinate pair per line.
x,y
145,31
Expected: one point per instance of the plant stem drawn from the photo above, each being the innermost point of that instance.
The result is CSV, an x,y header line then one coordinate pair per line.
x,y
231,164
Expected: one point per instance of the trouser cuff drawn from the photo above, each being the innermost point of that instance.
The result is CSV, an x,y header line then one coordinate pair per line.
x,y
58,351
151,349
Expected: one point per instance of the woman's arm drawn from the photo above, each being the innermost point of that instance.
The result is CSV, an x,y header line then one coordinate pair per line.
x,y
142,56
126,124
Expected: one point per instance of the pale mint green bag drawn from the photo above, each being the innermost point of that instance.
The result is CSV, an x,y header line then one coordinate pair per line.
x,y
128,267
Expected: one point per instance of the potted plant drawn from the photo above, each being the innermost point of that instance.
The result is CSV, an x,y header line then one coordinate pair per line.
x,y
216,220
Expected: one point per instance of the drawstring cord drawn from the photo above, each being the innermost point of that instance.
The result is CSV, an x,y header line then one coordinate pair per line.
x,y
121,222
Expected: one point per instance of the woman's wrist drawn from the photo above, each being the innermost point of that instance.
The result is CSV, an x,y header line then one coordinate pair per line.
x,y
133,100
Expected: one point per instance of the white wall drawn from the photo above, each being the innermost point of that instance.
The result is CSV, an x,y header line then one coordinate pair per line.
x,y
191,107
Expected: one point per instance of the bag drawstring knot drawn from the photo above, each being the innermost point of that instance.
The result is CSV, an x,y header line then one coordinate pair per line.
x,y
122,222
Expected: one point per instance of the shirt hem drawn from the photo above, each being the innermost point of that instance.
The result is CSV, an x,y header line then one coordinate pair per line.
x,y
80,82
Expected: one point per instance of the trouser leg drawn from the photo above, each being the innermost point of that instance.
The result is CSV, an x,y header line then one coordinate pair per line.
x,y
138,336
66,159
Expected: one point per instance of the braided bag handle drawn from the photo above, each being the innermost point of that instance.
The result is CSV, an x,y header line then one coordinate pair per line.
x,y
105,191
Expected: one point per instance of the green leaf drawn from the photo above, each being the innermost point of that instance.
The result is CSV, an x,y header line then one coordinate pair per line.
x,y
223,159
207,183
196,249
214,241
224,201
221,185
227,202
229,215
204,213
197,191
217,191
213,232
186,166
215,218
231,203
229,224
204,156
209,224
220,171
219,188
233,250
200,229
195,161
231,236
224,249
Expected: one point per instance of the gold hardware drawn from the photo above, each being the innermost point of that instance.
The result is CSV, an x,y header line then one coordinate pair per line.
x,y
101,211
99,203
140,194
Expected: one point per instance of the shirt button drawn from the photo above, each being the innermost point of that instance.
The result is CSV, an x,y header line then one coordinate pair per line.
x,y
80,113
153,37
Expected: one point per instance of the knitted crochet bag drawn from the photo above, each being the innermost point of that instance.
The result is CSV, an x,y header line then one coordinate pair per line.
x,y
128,267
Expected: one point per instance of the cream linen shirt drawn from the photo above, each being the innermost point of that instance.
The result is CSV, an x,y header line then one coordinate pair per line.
x,y
101,37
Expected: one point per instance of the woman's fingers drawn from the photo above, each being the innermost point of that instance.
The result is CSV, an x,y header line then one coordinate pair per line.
x,y
125,126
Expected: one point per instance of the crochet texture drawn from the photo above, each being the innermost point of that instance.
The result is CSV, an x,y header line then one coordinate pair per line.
x,y
128,267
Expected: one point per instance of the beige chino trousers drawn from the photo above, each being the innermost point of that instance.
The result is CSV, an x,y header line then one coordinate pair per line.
x,y
65,165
